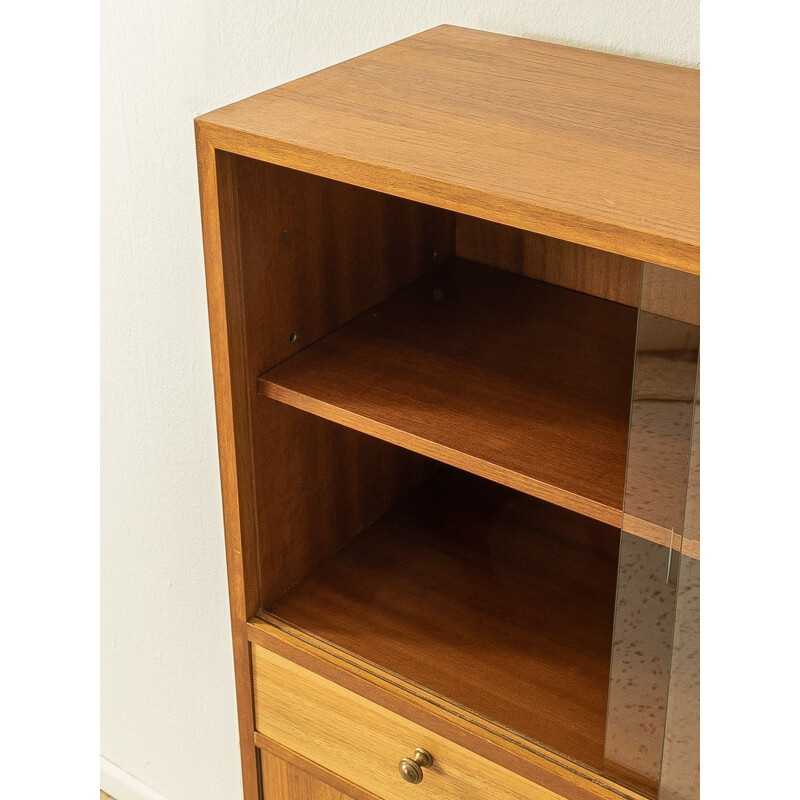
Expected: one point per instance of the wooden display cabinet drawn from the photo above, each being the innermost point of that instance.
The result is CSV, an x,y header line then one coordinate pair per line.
x,y
454,302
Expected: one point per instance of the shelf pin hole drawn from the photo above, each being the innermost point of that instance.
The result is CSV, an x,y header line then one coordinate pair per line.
x,y
293,336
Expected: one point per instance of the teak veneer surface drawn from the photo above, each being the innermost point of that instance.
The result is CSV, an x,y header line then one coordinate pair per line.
x,y
306,267
232,387
589,147
363,742
513,379
492,599
289,776
564,776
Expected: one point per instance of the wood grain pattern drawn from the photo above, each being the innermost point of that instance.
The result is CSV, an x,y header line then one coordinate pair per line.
x,y
512,379
541,766
666,292
671,294
516,592
332,482
489,243
291,777
232,387
556,261
588,147
583,269
363,742
314,253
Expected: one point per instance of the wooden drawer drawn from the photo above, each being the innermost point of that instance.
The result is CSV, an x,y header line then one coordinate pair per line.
x,y
363,742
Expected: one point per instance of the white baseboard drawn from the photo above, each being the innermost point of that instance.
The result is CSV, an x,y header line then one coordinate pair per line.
x,y
122,786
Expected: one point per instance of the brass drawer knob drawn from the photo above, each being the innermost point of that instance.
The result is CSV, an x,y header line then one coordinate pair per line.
x,y
411,768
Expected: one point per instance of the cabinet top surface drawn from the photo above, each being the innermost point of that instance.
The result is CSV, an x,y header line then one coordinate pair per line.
x,y
584,146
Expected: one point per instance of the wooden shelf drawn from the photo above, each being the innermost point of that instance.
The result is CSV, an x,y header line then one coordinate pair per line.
x,y
494,600
516,380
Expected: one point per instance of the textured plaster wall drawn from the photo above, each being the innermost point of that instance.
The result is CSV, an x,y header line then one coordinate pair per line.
x,y
168,716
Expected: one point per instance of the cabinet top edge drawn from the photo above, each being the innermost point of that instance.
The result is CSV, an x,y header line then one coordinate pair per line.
x,y
594,148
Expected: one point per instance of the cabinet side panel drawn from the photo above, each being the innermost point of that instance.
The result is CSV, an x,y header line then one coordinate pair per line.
x,y
315,253
319,484
217,196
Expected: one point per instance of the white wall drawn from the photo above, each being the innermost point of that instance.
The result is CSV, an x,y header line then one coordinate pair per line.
x,y
168,712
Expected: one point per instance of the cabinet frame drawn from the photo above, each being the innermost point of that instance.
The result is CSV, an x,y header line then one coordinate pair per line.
x,y
230,133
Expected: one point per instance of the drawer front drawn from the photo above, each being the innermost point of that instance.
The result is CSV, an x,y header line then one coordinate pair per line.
x,y
364,742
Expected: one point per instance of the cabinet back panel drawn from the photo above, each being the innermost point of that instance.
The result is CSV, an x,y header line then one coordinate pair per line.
x,y
667,292
566,264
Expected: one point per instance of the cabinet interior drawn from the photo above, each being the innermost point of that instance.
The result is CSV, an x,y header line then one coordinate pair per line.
x,y
439,420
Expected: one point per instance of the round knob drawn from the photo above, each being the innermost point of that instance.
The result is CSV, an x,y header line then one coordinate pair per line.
x,y
411,768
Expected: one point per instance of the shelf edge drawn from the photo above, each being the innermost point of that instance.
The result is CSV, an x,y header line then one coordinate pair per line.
x,y
447,455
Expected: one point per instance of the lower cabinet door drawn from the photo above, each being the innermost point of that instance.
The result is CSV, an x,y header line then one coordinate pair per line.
x,y
281,780
365,743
